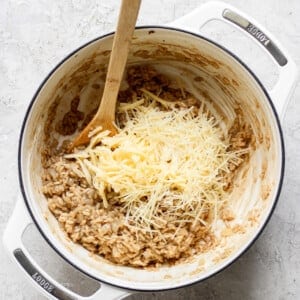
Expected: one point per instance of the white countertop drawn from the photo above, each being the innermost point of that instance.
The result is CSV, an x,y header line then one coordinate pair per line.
x,y
35,35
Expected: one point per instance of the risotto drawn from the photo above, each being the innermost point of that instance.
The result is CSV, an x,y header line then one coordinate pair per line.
x,y
148,195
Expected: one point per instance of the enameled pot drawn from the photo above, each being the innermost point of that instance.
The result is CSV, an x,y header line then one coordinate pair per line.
x,y
216,76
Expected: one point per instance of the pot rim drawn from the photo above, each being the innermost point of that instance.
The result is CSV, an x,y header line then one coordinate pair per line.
x,y
230,262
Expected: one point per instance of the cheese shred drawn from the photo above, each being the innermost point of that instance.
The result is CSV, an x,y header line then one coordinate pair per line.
x,y
163,164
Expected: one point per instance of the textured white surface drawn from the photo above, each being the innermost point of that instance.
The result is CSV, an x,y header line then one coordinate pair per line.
x,y
36,34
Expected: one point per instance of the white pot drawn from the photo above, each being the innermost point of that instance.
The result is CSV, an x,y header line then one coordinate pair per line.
x,y
227,81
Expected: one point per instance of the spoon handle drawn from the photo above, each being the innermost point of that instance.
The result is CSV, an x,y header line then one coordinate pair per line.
x,y
118,58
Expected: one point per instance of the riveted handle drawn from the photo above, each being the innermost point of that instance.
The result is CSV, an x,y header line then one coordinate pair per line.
x,y
257,33
48,286
215,10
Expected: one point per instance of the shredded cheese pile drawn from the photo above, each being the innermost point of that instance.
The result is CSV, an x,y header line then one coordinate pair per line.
x,y
162,165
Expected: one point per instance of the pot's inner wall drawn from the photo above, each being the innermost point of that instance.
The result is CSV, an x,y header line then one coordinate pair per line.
x,y
212,76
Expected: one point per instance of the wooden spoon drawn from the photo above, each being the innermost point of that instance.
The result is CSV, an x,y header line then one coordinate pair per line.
x,y
105,116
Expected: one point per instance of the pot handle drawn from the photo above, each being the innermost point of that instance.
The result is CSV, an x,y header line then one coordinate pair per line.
x,y
49,287
215,10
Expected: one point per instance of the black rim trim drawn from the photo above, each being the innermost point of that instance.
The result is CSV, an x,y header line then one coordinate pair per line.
x,y
279,188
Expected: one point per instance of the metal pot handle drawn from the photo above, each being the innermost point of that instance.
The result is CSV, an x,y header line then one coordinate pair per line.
x,y
215,10
12,240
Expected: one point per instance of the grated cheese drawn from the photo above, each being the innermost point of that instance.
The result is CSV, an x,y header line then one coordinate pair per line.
x,y
163,164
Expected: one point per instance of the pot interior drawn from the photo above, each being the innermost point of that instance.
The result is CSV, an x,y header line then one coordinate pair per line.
x,y
213,76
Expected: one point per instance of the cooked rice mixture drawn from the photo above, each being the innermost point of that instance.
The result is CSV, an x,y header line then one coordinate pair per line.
x,y
114,218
